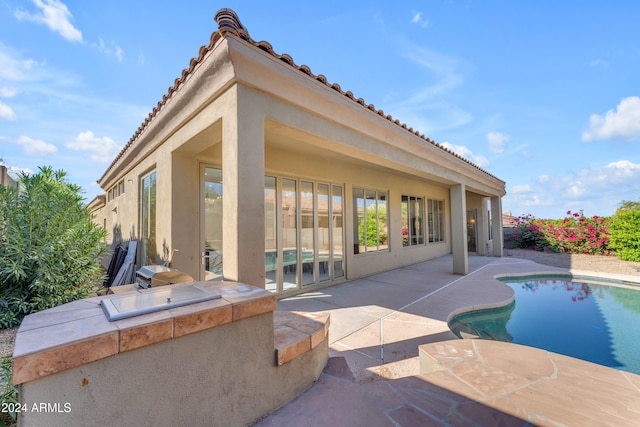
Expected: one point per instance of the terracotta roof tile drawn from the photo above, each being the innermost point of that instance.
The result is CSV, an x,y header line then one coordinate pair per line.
x,y
228,22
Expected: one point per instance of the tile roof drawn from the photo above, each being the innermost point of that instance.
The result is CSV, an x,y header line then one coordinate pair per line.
x,y
229,23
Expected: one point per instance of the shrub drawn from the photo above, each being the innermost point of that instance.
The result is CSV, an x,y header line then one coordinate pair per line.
x,y
574,234
49,248
8,393
527,234
625,234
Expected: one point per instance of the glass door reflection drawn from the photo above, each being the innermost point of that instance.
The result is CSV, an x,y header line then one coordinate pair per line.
x,y
289,234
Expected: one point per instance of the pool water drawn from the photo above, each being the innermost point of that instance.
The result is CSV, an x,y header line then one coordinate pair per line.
x,y
597,323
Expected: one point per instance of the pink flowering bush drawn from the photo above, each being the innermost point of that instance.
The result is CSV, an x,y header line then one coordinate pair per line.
x,y
527,233
575,233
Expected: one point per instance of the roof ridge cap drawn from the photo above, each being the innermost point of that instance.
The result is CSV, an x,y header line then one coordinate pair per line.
x,y
228,21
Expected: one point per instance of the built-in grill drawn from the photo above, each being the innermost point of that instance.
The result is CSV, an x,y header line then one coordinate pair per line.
x,y
159,275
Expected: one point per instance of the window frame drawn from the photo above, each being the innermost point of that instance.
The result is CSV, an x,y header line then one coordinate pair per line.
x,y
148,235
369,198
436,223
413,211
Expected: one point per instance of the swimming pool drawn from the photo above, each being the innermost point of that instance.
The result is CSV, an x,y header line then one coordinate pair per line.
x,y
599,323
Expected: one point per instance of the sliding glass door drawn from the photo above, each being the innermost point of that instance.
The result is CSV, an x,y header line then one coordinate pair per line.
x,y
303,233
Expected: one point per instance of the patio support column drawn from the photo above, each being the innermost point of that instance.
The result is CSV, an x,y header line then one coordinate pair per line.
x,y
482,228
459,229
496,226
243,181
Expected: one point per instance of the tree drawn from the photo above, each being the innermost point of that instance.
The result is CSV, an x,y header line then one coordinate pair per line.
x,y
628,205
49,247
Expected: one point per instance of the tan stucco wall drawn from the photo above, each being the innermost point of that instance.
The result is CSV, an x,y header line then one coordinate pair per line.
x,y
262,116
224,376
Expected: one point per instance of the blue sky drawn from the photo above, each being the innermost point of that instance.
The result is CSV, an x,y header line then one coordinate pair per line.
x,y
545,95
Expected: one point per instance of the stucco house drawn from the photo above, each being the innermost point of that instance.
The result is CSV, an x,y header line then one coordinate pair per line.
x,y
257,170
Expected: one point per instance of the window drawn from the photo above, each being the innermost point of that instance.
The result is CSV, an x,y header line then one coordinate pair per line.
x,y
370,220
289,199
148,217
213,260
336,227
115,191
412,221
270,233
436,220
307,240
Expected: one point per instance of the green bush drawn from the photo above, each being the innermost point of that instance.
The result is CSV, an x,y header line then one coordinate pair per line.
x,y
49,248
624,234
8,393
526,233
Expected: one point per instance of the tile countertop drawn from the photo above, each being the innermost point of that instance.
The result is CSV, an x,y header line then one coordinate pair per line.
x,y
78,332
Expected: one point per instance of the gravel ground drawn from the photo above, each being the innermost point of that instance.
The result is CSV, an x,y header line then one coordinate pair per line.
x,y
7,337
596,263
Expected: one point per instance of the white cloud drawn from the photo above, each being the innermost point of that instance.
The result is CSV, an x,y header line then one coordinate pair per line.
x,y
521,189
15,69
596,190
622,124
112,49
497,141
427,108
448,72
599,63
8,92
102,150
418,19
6,112
623,169
119,53
467,154
16,171
55,15
35,147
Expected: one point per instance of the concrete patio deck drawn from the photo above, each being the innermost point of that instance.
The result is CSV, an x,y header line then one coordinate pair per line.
x,y
374,377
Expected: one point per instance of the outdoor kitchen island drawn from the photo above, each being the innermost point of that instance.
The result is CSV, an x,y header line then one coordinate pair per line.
x,y
222,361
